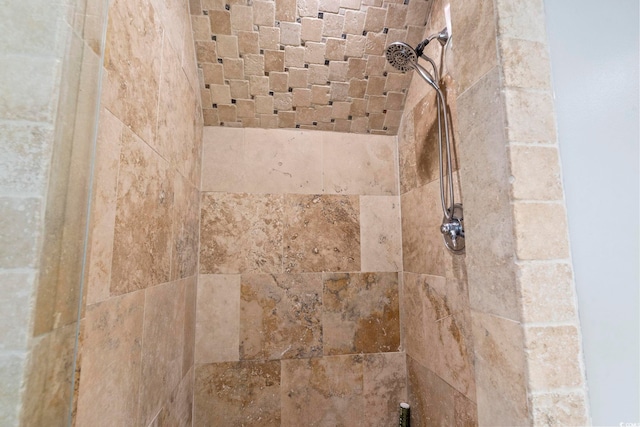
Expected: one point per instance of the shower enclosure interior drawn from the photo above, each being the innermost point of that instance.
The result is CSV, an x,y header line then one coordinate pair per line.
x,y
257,270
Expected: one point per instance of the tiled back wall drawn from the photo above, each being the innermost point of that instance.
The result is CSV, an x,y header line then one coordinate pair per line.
x,y
310,64
298,307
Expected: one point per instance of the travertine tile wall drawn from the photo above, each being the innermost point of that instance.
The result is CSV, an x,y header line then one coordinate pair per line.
x,y
48,88
138,326
436,312
527,342
298,317
304,64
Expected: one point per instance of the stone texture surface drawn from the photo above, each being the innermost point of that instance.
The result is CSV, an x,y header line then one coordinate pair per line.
x,y
569,409
322,233
500,365
358,164
329,46
111,361
437,329
361,313
280,316
322,392
163,342
380,233
238,393
434,402
241,233
218,318
553,360
384,386
142,237
134,39
537,236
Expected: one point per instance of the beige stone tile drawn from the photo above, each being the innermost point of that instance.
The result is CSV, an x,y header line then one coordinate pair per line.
x,y
421,238
178,410
465,411
384,386
490,244
26,150
407,153
425,130
335,49
475,46
103,214
36,101
553,357
568,409
220,21
176,115
525,64
20,225
430,397
223,158
253,65
174,17
12,366
536,173
324,391
282,161
133,63
269,37
188,351
521,19
290,33
541,231
286,10
321,233
201,28
142,237
15,303
237,393
264,13
360,313
248,42
380,233
186,223
280,316
530,116
333,24
547,292
500,371
218,318
438,329
356,164
241,233
374,20
162,345
111,361
241,17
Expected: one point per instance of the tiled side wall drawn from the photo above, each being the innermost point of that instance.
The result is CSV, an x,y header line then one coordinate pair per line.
x,y
138,326
436,312
46,74
298,297
304,64
520,276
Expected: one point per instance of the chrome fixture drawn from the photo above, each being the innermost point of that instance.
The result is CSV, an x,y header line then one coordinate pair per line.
x,y
404,58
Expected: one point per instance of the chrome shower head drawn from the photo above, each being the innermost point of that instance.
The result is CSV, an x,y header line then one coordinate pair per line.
x,y
401,56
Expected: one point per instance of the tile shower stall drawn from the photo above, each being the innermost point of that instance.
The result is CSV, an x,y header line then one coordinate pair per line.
x,y
263,244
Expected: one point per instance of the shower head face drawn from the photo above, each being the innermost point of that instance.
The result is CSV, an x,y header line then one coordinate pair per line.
x,y
401,56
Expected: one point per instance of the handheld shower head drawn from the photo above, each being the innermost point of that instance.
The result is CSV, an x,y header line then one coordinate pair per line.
x,y
404,58
401,56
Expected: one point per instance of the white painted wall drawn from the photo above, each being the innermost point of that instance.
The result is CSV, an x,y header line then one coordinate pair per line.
x,y
594,56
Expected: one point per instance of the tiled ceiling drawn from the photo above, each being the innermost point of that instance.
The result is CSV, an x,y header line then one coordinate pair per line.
x,y
311,64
